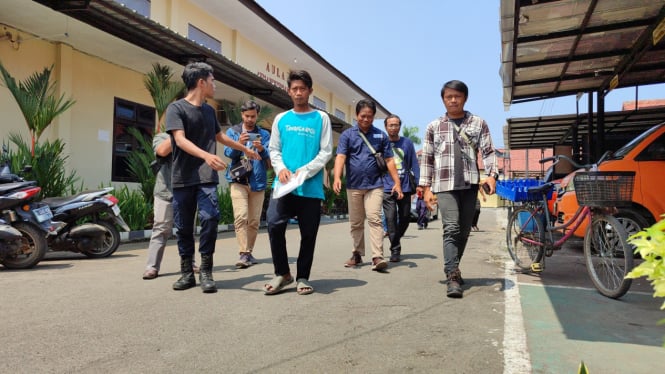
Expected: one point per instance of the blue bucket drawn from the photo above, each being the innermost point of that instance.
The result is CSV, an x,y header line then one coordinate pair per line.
x,y
525,218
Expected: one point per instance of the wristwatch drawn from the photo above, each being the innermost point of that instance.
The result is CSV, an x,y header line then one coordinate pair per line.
x,y
495,176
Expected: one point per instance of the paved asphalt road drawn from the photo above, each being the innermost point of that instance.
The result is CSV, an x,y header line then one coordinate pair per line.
x,y
74,315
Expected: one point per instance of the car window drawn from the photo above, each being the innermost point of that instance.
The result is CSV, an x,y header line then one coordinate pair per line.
x,y
633,143
655,151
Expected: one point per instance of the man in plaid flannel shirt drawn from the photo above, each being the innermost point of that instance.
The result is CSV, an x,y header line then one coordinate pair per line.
x,y
449,169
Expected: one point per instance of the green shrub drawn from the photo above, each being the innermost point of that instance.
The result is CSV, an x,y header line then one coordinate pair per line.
x,y
135,209
650,244
138,162
225,205
48,166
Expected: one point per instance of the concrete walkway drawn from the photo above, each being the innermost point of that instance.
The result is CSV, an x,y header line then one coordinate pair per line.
x,y
72,314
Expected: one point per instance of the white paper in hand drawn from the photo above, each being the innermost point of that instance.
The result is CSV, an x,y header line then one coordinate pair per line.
x,y
283,189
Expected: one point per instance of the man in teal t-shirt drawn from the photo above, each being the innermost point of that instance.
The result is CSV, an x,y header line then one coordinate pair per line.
x,y
301,142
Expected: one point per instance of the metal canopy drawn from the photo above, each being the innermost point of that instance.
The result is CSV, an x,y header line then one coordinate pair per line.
x,y
549,131
121,22
554,48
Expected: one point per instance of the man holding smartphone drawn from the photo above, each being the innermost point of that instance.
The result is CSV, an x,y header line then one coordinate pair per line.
x,y
248,190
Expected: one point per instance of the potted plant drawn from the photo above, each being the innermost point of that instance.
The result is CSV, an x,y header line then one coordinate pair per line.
x,y
36,97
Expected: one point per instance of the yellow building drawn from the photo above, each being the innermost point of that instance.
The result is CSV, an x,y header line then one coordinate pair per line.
x,y
101,50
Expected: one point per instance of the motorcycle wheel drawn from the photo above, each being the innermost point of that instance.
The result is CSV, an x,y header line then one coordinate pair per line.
x,y
110,244
34,240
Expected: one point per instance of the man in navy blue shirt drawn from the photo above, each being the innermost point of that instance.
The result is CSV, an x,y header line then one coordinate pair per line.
x,y
397,212
364,182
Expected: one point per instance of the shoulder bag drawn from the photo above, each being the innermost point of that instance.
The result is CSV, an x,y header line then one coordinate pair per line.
x,y
413,185
243,167
380,161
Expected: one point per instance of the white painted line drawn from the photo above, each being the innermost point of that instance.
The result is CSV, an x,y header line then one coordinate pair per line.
x,y
578,288
516,359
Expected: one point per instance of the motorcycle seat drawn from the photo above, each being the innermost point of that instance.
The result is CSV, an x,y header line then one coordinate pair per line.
x,y
10,187
56,202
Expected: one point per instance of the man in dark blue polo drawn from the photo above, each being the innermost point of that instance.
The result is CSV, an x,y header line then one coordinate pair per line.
x,y
364,182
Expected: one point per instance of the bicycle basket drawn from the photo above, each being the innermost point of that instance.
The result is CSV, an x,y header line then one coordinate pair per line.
x,y
604,188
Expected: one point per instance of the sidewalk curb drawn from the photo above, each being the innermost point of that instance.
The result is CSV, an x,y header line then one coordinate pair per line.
x,y
139,235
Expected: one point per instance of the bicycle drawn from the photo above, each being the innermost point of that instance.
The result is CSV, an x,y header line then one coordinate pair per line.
x,y
607,255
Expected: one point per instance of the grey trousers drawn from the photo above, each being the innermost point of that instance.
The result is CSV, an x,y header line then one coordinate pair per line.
x,y
457,209
162,229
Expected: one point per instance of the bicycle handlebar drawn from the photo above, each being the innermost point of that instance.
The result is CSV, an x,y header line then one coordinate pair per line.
x,y
558,158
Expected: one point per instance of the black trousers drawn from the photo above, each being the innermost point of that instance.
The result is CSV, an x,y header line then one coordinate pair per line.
x,y
308,211
397,214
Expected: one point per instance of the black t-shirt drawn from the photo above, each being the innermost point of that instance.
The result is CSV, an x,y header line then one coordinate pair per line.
x,y
460,184
201,127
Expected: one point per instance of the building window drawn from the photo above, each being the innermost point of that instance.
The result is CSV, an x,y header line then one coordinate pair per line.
x,y
126,115
204,39
141,7
339,114
320,104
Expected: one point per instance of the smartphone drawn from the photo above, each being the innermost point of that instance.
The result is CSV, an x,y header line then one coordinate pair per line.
x,y
254,136
486,188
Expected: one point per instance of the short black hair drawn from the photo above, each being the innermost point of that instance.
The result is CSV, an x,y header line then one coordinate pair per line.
x,y
250,105
457,86
299,75
385,121
195,71
364,103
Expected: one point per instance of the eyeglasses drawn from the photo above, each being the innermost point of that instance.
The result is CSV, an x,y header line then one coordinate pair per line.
x,y
393,125
451,97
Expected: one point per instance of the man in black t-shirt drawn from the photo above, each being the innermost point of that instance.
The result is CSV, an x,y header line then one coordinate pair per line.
x,y
193,125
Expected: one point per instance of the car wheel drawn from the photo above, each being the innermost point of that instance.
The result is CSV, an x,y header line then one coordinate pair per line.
x,y
633,222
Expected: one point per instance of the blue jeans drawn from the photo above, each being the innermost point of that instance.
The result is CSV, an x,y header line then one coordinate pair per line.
x,y
185,202
308,211
457,208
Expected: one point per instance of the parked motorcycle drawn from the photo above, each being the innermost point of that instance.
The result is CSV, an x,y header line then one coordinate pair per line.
x,y
21,213
85,222
91,219
9,237
32,220
19,251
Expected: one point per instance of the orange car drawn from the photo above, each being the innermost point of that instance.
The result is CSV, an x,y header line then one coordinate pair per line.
x,y
645,155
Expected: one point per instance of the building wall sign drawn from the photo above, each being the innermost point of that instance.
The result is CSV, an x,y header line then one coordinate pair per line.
x,y
274,75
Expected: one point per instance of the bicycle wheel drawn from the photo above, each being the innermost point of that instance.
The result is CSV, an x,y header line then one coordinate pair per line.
x,y
524,226
607,255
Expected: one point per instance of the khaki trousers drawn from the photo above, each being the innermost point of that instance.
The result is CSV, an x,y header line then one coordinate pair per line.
x,y
366,204
247,206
